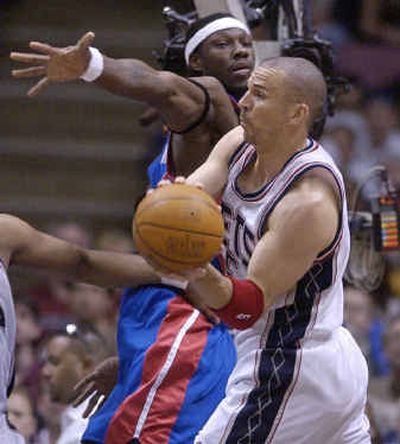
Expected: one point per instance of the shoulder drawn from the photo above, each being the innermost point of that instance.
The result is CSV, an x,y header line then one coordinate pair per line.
x,y
309,208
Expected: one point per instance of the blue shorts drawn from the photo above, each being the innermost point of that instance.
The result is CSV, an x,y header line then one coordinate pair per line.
x,y
173,370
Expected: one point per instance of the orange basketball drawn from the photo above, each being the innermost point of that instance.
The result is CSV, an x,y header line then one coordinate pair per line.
x,y
178,226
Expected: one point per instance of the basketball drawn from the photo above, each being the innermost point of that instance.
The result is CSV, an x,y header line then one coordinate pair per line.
x,y
178,226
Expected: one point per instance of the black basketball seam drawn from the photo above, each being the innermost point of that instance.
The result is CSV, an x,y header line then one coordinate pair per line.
x,y
202,233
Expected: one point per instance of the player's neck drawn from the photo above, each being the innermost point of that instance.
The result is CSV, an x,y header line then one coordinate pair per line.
x,y
273,154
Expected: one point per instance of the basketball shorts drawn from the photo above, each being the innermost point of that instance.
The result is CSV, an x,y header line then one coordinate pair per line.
x,y
322,403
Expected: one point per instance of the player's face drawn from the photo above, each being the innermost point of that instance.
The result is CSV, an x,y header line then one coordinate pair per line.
x,y
62,369
263,109
229,56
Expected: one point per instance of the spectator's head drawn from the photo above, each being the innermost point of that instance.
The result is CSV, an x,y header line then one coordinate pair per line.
x,y
71,232
219,45
391,341
382,118
358,311
114,240
67,359
343,139
21,413
90,304
29,330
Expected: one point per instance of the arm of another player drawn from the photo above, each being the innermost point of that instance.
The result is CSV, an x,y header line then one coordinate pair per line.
x,y
22,244
302,225
168,92
212,175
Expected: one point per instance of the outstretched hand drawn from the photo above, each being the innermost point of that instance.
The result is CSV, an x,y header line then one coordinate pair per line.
x,y
97,384
53,64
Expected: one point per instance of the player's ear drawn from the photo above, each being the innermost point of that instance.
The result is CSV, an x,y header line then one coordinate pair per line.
x,y
196,62
300,112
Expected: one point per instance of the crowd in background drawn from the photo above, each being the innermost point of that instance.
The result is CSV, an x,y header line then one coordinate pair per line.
x,y
365,131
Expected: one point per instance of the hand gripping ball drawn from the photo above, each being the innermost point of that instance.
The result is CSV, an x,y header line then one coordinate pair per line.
x,y
178,227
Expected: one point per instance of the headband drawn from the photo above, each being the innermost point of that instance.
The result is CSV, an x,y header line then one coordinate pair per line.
x,y
205,32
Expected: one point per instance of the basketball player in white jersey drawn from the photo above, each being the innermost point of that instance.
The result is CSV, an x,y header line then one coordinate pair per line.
x,y
21,244
300,377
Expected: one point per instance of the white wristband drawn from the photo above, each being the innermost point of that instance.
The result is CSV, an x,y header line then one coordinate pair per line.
x,y
174,283
95,67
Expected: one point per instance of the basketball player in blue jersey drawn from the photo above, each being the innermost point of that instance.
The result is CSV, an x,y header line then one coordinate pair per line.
x,y
173,364
21,244
300,377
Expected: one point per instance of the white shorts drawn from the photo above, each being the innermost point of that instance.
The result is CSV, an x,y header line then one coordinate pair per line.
x,y
323,403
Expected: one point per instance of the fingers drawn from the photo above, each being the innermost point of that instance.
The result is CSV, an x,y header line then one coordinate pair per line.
x,y
44,48
210,315
163,183
86,40
39,87
180,179
36,71
92,404
29,58
84,393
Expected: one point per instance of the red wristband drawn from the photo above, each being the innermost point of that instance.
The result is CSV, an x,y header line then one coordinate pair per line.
x,y
245,307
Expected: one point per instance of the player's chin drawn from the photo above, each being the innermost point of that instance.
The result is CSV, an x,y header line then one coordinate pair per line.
x,y
246,133
239,78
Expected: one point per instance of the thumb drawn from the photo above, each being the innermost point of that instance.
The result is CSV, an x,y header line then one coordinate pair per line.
x,y
86,40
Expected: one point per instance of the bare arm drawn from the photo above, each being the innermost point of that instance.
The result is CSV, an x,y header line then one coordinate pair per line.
x,y
212,175
24,245
302,225
133,78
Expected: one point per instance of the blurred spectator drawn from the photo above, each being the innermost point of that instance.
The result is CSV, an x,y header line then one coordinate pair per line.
x,y
360,318
68,359
50,413
329,28
21,414
52,295
95,308
114,240
380,20
29,333
384,392
383,126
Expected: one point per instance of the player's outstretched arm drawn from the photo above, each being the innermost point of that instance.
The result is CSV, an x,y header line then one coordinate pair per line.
x,y
22,244
166,91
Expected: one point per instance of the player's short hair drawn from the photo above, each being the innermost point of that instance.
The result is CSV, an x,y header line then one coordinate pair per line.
x,y
305,82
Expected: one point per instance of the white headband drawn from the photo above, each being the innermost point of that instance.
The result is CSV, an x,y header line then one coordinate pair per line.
x,y
203,33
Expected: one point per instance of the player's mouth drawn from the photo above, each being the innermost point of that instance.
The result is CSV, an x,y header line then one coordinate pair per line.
x,y
241,69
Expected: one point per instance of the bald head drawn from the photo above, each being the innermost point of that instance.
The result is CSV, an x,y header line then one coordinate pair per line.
x,y
304,82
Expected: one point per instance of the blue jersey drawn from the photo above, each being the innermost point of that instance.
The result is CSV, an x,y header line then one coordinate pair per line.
x,y
174,364
158,169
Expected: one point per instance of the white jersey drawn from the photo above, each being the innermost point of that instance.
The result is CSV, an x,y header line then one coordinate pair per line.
x,y
283,378
7,346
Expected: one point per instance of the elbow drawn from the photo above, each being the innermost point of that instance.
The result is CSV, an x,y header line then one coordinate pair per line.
x,y
83,266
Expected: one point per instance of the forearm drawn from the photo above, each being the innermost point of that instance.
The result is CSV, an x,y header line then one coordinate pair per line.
x,y
132,78
114,269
